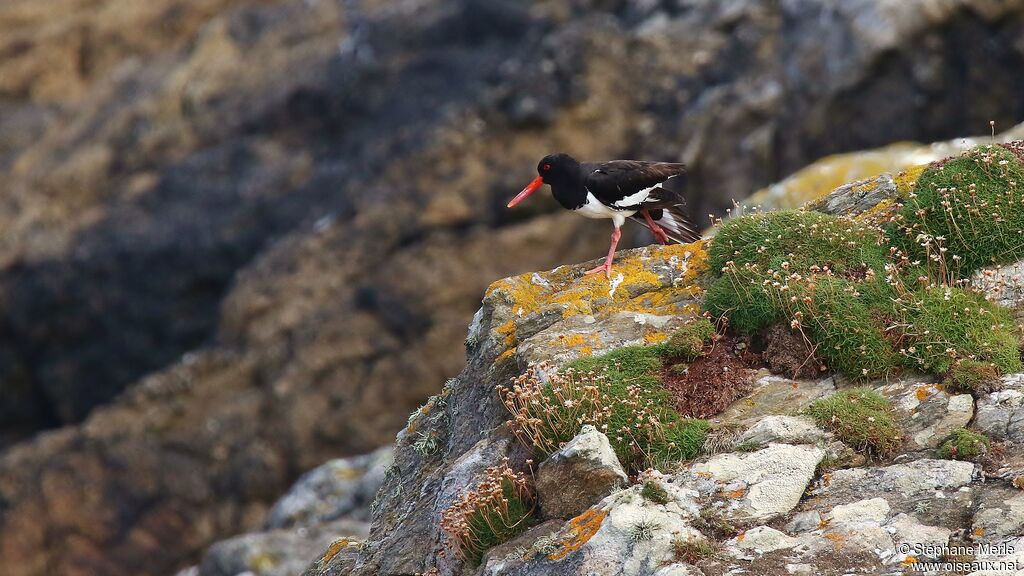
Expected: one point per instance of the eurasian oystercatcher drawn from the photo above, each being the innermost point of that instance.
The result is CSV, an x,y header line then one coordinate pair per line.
x,y
619,189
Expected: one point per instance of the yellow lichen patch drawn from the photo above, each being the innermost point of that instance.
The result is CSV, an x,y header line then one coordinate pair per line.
x,y
634,286
581,529
878,214
909,560
655,337
907,179
827,174
505,355
508,330
333,550
922,393
979,532
582,343
263,562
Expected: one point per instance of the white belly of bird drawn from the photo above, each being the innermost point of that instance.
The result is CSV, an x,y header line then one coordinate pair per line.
x,y
593,208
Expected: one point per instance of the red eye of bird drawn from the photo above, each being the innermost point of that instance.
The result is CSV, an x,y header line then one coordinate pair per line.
x,y
547,167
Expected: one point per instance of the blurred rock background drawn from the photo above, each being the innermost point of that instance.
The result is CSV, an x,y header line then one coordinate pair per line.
x,y
242,237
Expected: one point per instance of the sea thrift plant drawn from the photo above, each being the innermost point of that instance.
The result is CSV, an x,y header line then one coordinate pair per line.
x,y
632,410
499,508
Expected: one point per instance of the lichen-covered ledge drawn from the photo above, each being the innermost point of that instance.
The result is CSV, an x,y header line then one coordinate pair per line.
x,y
899,458
554,317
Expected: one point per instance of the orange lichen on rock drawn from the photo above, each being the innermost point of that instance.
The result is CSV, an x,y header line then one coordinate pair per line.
x,y
581,529
333,550
655,337
736,494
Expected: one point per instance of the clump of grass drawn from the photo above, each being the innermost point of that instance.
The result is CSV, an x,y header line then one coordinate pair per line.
x,y
861,419
499,508
687,343
964,444
867,308
711,522
821,274
693,550
643,530
965,212
620,394
946,323
654,492
972,377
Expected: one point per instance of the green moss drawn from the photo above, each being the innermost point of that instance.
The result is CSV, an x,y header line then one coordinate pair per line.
x,y
654,492
964,444
973,203
803,239
972,377
688,342
947,323
861,419
678,439
821,273
828,277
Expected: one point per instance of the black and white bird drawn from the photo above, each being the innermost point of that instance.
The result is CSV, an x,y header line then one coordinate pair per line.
x,y
646,192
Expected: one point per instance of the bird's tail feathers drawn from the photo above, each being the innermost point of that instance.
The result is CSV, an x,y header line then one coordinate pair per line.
x,y
675,222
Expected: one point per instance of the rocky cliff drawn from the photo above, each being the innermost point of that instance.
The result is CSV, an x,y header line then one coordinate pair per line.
x,y
811,465
241,237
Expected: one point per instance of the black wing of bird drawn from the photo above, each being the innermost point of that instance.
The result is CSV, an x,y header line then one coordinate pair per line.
x,y
638,185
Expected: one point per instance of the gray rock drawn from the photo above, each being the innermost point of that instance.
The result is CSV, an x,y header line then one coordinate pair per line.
x,y
759,485
857,197
1000,515
1002,284
763,539
1000,414
774,395
579,475
341,488
927,413
874,510
936,492
785,430
804,521
624,534
284,552
906,529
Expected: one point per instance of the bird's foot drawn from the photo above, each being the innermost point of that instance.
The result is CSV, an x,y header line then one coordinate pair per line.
x,y
606,268
660,235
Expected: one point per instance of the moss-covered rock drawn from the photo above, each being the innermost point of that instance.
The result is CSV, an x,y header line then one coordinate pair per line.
x,y
861,418
834,280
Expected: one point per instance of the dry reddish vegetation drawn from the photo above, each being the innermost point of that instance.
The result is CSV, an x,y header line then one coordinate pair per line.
x,y
714,380
788,352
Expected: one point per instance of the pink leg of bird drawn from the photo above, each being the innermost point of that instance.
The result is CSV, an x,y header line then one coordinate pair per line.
x,y
607,266
659,234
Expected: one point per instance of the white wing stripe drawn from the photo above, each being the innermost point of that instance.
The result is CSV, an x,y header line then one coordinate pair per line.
x,y
635,198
